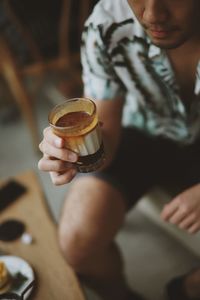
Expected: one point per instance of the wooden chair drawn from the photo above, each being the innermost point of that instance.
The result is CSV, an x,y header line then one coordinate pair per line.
x,y
30,25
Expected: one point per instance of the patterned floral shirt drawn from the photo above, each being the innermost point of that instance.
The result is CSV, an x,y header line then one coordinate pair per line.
x,y
118,59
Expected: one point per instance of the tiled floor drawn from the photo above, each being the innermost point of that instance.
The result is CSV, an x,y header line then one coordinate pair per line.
x,y
151,256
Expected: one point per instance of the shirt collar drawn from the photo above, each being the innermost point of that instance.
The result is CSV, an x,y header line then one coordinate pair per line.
x,y
157,54
154,51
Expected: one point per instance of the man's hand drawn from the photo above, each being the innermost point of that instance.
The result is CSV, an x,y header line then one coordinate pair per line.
x,y
184,210
57,160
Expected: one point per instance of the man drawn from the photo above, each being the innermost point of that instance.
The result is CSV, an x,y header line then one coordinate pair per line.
x,y
140,61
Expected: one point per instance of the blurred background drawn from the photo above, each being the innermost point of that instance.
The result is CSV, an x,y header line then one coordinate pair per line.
x,y
39,52
40,67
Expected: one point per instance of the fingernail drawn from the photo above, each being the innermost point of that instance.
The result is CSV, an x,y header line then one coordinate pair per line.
x,y
58,143
72,157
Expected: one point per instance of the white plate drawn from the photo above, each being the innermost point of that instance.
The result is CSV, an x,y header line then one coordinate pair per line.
x,y
16,265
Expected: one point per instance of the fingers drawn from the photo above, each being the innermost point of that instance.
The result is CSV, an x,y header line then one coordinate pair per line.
x,y
188,222
51,138
62,178
184,210
53,146
57,160
59,153
191,224
53,165
169,210
194,228
61,172
181,215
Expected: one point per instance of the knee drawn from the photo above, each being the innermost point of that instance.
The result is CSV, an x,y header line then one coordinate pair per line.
x,y
74,246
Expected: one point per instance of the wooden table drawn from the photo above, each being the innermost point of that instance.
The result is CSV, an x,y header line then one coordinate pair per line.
x,y
55,279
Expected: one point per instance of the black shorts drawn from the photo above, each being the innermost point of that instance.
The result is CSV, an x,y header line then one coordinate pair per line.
x,y
143,162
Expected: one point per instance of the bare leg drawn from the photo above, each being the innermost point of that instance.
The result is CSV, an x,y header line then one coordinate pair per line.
x,y
93,213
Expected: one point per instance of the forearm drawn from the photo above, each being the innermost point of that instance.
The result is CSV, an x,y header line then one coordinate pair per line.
x,y
109,113
111,144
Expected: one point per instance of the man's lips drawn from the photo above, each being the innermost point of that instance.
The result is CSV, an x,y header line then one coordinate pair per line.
x,y
159,33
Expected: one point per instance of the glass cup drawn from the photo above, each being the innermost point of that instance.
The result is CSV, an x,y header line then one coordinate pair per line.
x,y
76,121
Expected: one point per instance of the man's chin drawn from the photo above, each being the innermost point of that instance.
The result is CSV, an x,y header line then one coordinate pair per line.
x,y
167,43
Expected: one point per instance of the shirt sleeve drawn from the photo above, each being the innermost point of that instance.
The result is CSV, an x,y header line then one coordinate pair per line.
x,y
99,78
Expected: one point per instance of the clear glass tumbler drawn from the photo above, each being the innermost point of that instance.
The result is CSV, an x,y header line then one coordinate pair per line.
x,y
76,121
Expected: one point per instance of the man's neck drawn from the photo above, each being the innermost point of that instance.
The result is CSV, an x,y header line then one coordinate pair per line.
x,y
184,61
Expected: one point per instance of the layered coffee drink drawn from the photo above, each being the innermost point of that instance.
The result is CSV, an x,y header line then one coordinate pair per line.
x,y
76,121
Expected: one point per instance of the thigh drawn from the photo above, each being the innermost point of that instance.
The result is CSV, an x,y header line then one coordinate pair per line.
x,y
92,214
